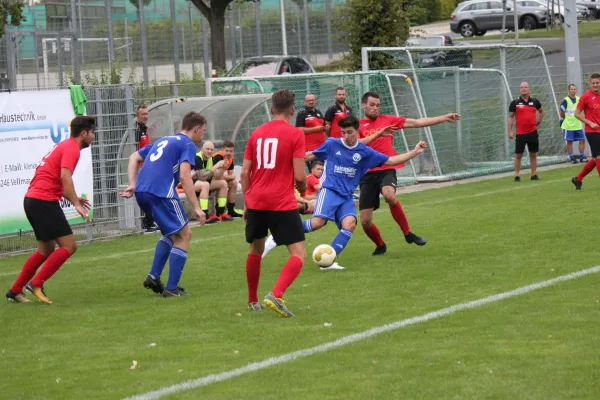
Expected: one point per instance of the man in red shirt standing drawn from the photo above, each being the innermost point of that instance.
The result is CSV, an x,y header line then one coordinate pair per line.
x,y
310,121
524,111
336,112
53,180
382,180
273,162
588,112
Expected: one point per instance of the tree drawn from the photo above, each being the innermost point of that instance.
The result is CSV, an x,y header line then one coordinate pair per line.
x,y
372,23
11,13
136,4
214,11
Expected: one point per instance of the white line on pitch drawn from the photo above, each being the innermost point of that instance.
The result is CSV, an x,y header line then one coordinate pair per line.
x,y
256,366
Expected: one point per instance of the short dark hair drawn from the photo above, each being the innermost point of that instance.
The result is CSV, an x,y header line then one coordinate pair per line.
x,y
340,88
365,97
228,144
283,101
192,120
595,76
349,122
315,163
572,84
138,108
82,123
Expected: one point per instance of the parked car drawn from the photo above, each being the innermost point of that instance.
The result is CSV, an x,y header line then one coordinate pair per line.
x,y
476,17
271,65
593,7
440,58
557,12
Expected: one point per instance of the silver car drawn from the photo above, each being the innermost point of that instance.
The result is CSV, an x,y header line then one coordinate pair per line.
x,y
476,17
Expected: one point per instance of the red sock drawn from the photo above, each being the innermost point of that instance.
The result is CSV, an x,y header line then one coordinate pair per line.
x,y
587,168
400,217
288,274
253,276
374,235
28,271
53,264
598,165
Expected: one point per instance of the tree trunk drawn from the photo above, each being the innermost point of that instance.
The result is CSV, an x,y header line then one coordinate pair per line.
x,y
217,36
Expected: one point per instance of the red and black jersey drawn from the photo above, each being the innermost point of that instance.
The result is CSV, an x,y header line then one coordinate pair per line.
x,y
311,119
333,115
525,114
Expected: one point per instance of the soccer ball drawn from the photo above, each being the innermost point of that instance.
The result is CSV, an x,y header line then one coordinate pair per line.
x,y
324,255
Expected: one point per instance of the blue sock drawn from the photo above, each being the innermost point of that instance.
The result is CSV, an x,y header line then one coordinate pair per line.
x,y
161,255
571,156
341,240
581,156
307,224
176,264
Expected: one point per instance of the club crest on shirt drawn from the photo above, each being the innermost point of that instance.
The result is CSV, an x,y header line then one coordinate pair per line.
x,y
356,158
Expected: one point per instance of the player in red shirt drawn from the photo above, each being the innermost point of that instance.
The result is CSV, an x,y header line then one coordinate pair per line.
x,y
273,162
314,180
382,180
53,180
588,112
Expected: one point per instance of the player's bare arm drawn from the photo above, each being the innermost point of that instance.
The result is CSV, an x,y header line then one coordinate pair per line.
x,y
66,176
327,128
218,170
310,156
245,181
540,116
229,176
135,160
402,158
300,174
430,121
387,131
579,114
185,175
511,121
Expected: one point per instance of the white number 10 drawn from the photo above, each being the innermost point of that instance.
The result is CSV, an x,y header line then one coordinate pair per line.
x,y
265,156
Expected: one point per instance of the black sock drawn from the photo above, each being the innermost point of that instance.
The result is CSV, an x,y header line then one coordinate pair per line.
x,y
220,210
206,212
230,208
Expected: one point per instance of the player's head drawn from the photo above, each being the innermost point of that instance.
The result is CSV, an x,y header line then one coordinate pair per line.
x,y
228,149
310,101
525,90
194,126
83,130
595,81
572,90
316,168
370,103
282,103
141,114
208,148
340,95
349,126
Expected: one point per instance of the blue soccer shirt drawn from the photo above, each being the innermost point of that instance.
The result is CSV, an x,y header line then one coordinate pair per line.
x,y
345,166
160,173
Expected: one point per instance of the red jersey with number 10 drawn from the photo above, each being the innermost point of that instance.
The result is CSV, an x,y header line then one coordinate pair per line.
x,y
589,103
46,183
272,148
383,144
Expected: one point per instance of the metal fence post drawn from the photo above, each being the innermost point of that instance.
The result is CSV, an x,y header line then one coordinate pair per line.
x,y
100,126
143,42
59,55
505,104
11,58
129,107
191,40
232,38
328,23
111,43
458,111
75,36
257,22
306,33
175,39
203,22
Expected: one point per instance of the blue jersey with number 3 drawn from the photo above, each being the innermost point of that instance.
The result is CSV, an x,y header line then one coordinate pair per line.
x,y
345,166
160,173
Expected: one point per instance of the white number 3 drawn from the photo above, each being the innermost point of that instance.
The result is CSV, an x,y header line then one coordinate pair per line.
x,y
159,151
266,155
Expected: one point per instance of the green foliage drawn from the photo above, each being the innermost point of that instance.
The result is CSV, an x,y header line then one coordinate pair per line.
x,y
11,13
424,11
374,23
446,8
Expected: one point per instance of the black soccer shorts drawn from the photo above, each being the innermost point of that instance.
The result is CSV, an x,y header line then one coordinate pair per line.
x,y
532,141
47,219
371,185
285,226
594,142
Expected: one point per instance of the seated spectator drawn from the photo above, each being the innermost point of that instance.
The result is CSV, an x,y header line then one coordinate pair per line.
x,y
304,206
285,69
313,180
226,155
209,178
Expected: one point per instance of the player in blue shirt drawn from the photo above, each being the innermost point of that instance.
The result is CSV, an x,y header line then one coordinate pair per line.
x,y
165,162
346,161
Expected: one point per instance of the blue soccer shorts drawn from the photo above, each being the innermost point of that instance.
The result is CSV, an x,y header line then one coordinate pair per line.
x,y
168,214
574,136
332,206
